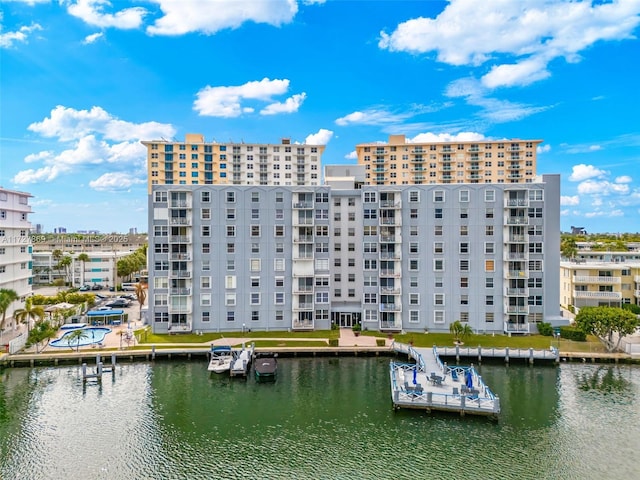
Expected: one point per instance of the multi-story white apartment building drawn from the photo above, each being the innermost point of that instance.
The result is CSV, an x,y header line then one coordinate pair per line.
x,y
15,247
197,162
596,283
393,257
399,162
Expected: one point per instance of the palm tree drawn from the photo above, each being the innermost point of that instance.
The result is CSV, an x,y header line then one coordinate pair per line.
x,y
84,258
76,337
141,296
7,297
24,315
42,331
65,263
460,331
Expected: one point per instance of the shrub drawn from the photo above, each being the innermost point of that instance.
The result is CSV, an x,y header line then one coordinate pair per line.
x,y
380,342
545,329
333,342
635,309
572,333
334,326
357,327
571,308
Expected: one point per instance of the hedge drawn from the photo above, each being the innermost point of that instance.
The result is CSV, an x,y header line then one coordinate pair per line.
x,y
571,333
545,329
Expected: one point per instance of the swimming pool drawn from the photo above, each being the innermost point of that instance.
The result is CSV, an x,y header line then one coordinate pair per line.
x,y
93,335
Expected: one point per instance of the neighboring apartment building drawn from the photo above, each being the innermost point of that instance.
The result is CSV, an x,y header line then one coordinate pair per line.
x,y
15,247
403,257
399,162
597,283
196,162
103,250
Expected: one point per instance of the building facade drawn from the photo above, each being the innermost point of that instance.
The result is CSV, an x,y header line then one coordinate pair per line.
x,y
394,257
197,162
597,283
15,248
401,163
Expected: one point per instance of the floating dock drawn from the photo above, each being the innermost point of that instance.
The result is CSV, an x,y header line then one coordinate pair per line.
x,y
428,384
241,362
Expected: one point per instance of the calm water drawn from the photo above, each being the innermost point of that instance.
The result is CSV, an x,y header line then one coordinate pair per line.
x,y
323,419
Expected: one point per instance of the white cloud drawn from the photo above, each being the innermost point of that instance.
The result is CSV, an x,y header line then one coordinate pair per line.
x,y
89,39
607,213
353,155
290,105
430,137
89,138
28,2
92,13
530,33
9,38
321,137
566,201
225,102
373,116
583,172
603,187
624,179
543,148
493,109
208,17
68,124
116,181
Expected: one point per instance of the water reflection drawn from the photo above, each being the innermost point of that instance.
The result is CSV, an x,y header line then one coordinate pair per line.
x,y
605,379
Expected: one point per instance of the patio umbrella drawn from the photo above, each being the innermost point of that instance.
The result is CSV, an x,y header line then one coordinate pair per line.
x,y
469,379
415,376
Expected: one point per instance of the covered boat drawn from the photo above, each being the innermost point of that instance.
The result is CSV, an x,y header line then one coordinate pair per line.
x,y
265,367
221,358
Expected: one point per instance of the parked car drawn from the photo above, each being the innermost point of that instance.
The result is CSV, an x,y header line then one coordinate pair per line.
x,y
99,296
129,297
96,287
103,308
118,303
84,288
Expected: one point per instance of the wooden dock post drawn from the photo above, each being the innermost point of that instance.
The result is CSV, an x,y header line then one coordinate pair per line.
x,y
479,354
457,353
153,352
506,355
531,355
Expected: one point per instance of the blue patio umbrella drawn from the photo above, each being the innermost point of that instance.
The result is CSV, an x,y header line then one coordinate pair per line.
x,y
415,376
469,379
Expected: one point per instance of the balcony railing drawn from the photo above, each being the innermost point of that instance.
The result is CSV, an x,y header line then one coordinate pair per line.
x,y
389,256
517,309
303,205
601,295
180,221
181,273
515,256
390,326
390,238
389,273
594,279
390,290
390,307
303,289
303,256
389,204
518,292
517,202
517,238
186,308
180,291
302,325
303,238
518,274
517,220
303,306
179,239
180,327
516,327
180,256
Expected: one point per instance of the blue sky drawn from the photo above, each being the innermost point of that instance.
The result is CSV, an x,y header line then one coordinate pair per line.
x,y
83,81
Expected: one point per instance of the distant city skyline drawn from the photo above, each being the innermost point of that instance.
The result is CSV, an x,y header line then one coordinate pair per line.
x,y
85,81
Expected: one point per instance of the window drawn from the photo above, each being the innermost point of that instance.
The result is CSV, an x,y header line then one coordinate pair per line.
x,y
438,247
464,282
231,316
464,195
279,315
370,298
413,265
464,265
254,298
464,247
464,230
488,213
464,213
489,248
413,282
230,299
231,248
205,299
205,282
437,230
488,230
438,196
206,248
322,297
414,299
231,230
370,264
438,213
255,281
490,196
488,300
489,265
160,197
205,197
205,317
205,213
413,247
231,197
413,213
279,282
536,195
255,230
414,196
231,264
438,265
464,299
488,282
279,231
370,197
438,299
464,317
438,316
278,264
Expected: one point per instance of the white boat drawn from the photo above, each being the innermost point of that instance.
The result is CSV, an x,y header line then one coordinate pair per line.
x,y
221,358
242,361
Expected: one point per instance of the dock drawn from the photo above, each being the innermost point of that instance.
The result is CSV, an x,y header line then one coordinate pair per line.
x,y
241,362
527,354
429,384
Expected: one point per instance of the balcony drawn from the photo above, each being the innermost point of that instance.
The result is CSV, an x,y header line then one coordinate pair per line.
x,y
390,204
518,274
180,291
417,160
180,256
179,239
303,289
391,326
514,175
180,204
181,308
524,309
594,280
474,177
517,238
517,220
179,221
517,292
303,205
389,273
303,239
303,255
516,327
517,202
390,290
391,307
179,328
597,295
181,273
390,238
522,256
636,278
308,306
389,221
302,325
390,256
636,293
